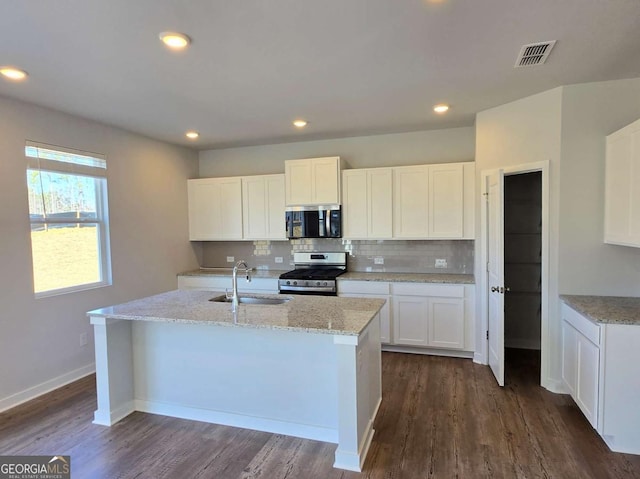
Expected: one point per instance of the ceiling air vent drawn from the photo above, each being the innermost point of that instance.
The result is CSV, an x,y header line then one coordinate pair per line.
x,y
534,54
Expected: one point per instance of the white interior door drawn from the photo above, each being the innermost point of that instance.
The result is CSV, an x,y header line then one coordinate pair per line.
x,y
495,272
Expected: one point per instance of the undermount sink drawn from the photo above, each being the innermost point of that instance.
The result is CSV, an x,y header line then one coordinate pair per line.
x,y
250,300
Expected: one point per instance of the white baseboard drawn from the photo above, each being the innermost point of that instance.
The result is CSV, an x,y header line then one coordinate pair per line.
x,y
223,418
555,386
452,353
479,358
109,418
45,387
351,461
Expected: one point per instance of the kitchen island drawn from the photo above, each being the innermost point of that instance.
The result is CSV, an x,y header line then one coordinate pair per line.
x,y
309,367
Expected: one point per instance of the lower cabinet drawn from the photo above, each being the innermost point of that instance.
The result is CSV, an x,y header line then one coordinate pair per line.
x,y
423,316
600,367
429,315
221,283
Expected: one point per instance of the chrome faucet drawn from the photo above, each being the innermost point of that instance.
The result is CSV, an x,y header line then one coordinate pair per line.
x,y
247,272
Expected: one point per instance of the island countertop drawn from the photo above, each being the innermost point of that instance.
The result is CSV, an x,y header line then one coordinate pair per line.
x,y
314,314
606,309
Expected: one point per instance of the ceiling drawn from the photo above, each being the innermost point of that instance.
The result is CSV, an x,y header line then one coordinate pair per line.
x,y
349,67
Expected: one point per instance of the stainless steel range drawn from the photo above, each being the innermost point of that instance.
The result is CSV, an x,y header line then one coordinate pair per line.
x,y
315,273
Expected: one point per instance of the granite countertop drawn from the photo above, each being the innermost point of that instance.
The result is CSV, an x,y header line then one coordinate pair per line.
x,y
314,314
409,277
606,309
349,276
256,273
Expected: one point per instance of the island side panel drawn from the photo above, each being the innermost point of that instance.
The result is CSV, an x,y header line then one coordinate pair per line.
x,y
360,394
271,380
114,370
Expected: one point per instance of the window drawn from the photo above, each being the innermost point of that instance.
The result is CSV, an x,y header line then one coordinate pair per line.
x,y
69,221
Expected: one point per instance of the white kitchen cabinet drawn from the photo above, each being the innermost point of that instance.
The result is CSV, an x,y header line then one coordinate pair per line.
x,y
215,209
221,283
581,363
429,315
434,201
411,202
371,289
446,201
367,201
313,181
263,207
622,187
431,318
601,364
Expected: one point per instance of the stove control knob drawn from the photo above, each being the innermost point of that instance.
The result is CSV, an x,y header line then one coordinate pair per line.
x,y
324,284
295,283
288,282
318,283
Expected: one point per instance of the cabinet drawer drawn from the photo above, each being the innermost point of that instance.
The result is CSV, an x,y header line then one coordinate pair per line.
x,y
363,287
421,289
588,328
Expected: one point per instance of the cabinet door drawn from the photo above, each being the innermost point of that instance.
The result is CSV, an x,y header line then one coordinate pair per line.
x,y
298,182
275,207
410,317
254,207
354,203
569,357
446,323
446,201
617,189
215,209
411,202
587,374
380,203
229,206
325,177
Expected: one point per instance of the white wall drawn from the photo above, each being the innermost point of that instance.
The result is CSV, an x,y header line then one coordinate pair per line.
x,y
567,126
588,266
521,132
39,339
435,146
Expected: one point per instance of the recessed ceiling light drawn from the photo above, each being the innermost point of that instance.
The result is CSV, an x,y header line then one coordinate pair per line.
x,y
13,73
441,108
175,40
192,134
299,123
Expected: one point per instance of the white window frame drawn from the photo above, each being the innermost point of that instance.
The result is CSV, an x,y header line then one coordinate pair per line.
x,y
95,167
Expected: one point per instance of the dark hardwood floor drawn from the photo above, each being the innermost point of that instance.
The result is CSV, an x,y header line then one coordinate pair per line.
x,y
440,418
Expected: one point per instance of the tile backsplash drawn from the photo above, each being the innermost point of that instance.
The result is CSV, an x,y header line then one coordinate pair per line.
x,y
397,256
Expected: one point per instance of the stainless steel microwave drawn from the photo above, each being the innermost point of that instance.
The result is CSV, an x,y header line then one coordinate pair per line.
x,y
314,222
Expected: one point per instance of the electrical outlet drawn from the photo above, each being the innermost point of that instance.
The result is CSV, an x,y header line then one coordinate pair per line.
x,y
278,259
83,339
441,263
230,259
368,269
378,260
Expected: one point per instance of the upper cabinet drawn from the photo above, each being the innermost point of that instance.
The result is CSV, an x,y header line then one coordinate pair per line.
x,y
314,181
263,207
622,187
434,201
367,196
215,209
237,208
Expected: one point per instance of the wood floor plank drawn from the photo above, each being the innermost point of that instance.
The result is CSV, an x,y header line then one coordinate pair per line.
x,y
440,418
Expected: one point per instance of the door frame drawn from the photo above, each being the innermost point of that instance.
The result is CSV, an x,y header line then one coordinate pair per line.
x,y
482,348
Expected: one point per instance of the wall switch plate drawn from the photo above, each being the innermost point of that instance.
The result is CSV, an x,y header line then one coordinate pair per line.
x,y
378,260
368,269
278,259
441,263
83,339
230,259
